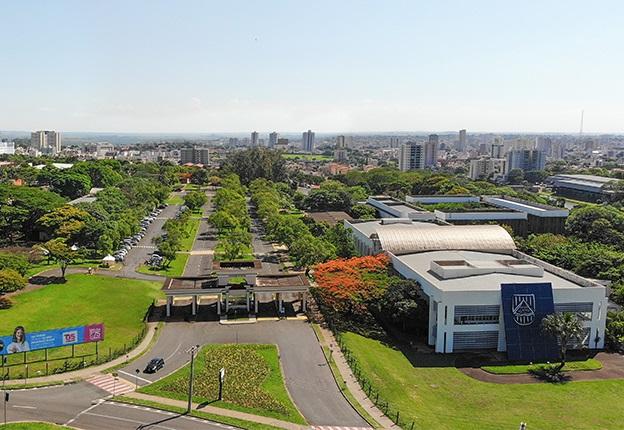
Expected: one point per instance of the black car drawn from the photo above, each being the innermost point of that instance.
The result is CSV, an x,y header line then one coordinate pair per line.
x,y
154,365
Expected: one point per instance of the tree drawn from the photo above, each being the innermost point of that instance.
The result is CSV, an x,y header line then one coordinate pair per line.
x,y
328,200
195,200
402,304
167,249
234,244
309,250
67,221
536,176
342,240
564,327
256,163
58,250
200,176
11,280
363,212
515,176
70,184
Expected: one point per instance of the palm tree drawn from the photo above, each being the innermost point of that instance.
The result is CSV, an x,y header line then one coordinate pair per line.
x,y
564,327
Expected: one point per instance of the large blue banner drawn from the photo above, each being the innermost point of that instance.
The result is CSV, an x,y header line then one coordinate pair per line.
x,y
22,341
524,308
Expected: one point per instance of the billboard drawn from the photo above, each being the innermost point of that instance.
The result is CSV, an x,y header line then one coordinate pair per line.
x,y
22,341
524,308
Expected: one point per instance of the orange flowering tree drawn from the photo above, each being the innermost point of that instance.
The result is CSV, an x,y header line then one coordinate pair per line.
x,y
350,285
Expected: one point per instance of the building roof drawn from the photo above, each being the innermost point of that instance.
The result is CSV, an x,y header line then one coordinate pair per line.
x,y
491,265
402,239
330,217
536,209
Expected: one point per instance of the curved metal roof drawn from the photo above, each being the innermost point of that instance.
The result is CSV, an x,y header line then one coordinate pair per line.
x,y
402,239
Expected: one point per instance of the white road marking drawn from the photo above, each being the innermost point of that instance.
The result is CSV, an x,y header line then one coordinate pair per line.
x,y
128,420
24,407
135,376
173,353
80,413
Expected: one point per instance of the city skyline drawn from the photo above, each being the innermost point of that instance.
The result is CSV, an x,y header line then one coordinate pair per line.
x,y
481,66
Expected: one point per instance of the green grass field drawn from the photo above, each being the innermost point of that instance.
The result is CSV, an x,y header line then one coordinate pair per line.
x,y
246,256
253,381
192,227
44,265
120,304
174,199
176,267
307,157
33,426
429,390
514,369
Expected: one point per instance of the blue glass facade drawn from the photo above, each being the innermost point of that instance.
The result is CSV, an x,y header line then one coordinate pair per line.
x,y
524,308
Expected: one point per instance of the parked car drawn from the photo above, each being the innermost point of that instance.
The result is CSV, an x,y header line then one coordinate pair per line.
x,y
154,365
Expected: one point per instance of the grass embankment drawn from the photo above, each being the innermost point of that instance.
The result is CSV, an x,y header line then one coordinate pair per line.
x,y
33,426
243,424
120,304
340,380
514,369
253,381
177,266
429,390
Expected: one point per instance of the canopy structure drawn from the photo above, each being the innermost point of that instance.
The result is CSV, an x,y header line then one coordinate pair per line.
x,y
108,259
403,239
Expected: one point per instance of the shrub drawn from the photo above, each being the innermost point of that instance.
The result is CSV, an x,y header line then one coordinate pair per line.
x,y
11,280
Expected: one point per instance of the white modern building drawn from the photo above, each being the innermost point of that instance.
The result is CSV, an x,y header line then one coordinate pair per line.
x,y
273,139
486,168
462,272
7,148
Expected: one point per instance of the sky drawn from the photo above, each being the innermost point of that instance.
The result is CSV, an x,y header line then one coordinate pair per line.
x,y
343,66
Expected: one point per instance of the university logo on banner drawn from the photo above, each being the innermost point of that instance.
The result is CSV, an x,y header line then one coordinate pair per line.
x,y
523,308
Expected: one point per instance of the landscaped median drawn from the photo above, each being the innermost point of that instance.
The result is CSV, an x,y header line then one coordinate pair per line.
x,y
121,304
253,381
430,391
31,425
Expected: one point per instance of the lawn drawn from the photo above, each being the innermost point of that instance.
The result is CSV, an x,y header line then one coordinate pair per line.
x,y
428,389
247,254
176,267
511,369
32,426
44,265
174,199
120,304
253,381
307,157
192,227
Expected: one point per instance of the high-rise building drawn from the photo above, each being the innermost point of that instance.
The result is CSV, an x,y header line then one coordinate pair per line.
x,y
412,156
394,142
340,153
282,142
525,159
194,155
7,148
498,148
462,140
46,141
254,138
487,168
308,141
431,150
272,139
233,141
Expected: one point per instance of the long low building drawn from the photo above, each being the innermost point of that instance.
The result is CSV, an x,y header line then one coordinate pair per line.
x,y
482,292
590,188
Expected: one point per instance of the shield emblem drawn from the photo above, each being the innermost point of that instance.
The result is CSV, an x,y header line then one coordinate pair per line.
x,y
523,308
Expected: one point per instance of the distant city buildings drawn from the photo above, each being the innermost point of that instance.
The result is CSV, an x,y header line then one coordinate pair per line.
x,y
394,142
498,148
195,156
254,138
272,139
431,150
46,141
282,143
462,140
340,153
412,156
7,148
525,160
308,141
487,168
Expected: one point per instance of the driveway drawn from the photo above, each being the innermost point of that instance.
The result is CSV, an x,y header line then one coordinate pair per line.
x,y
307,376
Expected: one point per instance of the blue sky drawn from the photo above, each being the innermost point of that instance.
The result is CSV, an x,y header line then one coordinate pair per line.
x,y
211,66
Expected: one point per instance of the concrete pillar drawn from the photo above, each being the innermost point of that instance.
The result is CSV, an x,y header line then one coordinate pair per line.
x,y
441,328
280,302
432,322
255,303
169,300
219,304
194,306
227,303
304,304
247,298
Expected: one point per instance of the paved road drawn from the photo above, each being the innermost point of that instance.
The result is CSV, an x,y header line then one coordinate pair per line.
x,y
307,376
79,405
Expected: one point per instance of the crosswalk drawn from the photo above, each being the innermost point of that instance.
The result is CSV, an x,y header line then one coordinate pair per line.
x,y
108,383
144,246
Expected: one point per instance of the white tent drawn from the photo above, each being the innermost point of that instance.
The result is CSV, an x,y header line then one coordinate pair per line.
x,y
108,260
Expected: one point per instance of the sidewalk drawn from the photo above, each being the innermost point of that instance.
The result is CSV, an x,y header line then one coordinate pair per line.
x,y
352,384
90,371
218,411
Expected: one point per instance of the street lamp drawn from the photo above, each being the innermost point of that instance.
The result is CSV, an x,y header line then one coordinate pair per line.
x,y
192,350
136,379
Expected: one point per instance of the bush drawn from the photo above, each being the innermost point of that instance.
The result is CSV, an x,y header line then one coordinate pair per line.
x,y
11,280
17,262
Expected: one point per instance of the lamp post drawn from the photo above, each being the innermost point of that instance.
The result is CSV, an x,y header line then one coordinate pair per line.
x,y
192,350
136,379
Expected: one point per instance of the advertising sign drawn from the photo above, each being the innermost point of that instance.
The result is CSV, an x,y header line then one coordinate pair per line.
x,y
524,308
22,341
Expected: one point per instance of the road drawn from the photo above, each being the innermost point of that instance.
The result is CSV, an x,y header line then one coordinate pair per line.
x,y
307,376
80,406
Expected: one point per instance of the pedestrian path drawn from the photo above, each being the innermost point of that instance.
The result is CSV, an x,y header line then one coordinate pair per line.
x,y
114,386
145,246
340,428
